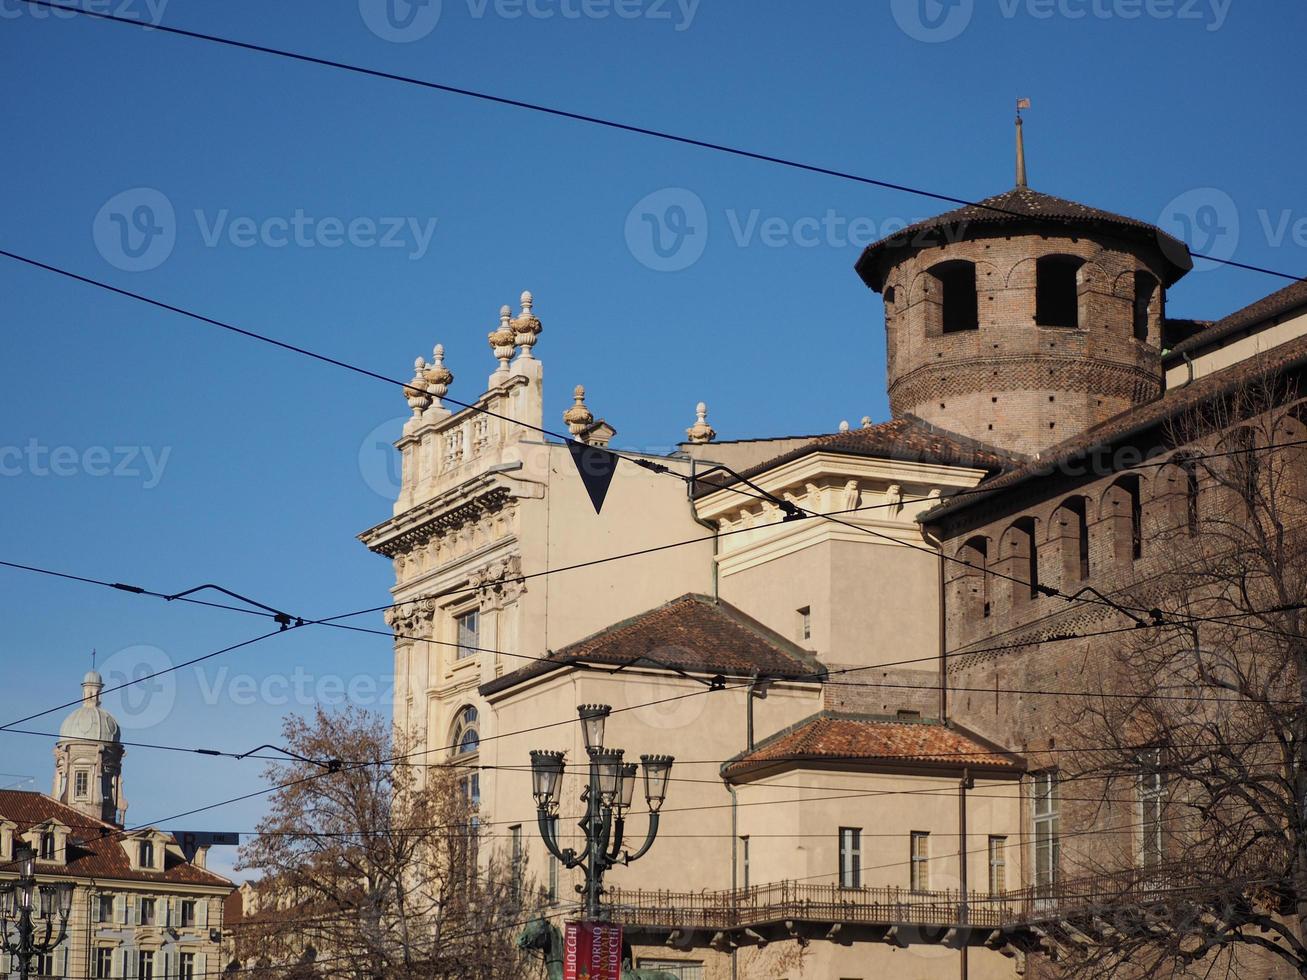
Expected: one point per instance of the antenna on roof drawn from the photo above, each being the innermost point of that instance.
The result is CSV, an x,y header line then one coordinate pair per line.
x,y
1021,144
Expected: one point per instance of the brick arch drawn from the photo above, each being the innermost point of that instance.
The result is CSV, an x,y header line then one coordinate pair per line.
x,y
1123,285
1018,562
1175,492
1067,533
972,586
1292,419
1121,517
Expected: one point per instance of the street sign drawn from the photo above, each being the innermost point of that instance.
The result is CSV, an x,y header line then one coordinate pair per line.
x,y
192,840
592,951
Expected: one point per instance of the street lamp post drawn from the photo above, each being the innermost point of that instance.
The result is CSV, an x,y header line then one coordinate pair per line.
x,y
47,899
607,797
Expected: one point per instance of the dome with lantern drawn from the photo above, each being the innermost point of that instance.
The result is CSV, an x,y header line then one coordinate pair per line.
x,y
89,721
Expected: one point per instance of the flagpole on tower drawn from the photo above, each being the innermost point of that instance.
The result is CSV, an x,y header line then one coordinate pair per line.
x,y
1021,144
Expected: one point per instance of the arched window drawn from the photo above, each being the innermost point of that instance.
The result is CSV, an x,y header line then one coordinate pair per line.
x,y
1146,286
1057,291
956,284
890,294
467,739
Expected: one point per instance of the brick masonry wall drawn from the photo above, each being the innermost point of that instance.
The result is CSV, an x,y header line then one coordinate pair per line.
x,y
1012,678
882,691
1012,383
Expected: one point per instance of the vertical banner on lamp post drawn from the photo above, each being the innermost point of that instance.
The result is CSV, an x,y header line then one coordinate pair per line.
x,y
592,951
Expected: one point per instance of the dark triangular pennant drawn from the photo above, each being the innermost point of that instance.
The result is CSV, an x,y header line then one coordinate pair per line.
x,y
596,467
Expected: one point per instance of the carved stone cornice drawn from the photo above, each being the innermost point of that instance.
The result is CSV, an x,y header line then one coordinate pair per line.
x,y
419,526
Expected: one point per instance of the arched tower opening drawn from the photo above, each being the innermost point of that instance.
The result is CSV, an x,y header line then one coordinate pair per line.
x,y
1025,319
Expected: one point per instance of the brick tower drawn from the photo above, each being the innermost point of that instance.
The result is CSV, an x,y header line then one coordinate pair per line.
x,y
1025,319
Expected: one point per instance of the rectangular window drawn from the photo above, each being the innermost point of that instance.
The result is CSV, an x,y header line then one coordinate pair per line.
x,y
43,965
81,784
744,861
997,865
104,908
850,857
681,969
469,634
1047,845
805,623
146,918
1151,789
47,846
103,962
919,849
186,967
188,914
146,855
515,836
145,965
551,893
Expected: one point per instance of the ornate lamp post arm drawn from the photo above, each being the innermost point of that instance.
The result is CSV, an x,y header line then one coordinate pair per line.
x,y
648,840
612,855
544,821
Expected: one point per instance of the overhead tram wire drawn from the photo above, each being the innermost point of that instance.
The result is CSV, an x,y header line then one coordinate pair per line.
x,y
792,510
158,673
523,577
815,676
589,119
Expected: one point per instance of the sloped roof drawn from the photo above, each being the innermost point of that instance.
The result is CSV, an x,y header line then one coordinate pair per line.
x,y
1288,356
95,847
906,438
692,633
1021,205
1276,304
832,737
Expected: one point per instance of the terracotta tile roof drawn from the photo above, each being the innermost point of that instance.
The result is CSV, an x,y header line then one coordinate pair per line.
x,y
94,847
905,438
833,737
1276,304
1021,205
1289,356
692,633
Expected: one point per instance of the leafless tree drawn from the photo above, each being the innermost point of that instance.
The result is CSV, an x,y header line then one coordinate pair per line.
x,y
371,869
1199,768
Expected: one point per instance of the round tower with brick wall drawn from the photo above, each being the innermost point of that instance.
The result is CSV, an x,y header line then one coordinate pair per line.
x,y
1025,319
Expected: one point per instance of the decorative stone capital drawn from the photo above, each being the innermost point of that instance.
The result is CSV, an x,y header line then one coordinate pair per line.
x,y
416,392
439,377
578,417
527,327
412,620
701,431
499,582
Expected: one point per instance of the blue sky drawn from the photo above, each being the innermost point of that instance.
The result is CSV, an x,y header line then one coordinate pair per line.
x,y
142,447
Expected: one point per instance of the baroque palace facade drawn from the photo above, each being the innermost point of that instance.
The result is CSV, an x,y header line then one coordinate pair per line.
x,y
141,908
864,708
